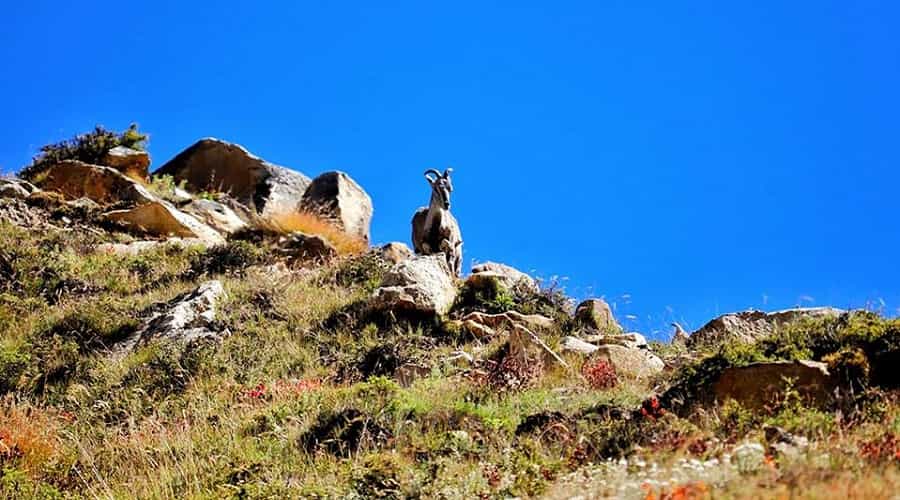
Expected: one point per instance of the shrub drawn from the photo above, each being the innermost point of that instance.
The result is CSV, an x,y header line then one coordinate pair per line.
x,y
317,225
89,148
164,186
234,256
489,296
599,374
850,365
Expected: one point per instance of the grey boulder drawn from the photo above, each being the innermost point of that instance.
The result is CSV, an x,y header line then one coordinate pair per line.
x,y
508,276
422,285
749,326
215,165
338,198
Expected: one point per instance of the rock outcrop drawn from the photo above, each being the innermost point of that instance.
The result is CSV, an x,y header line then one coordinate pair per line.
x,y
508,276
104,185
15,188
131,162
159,218
216,215
420,285
338,198
759,384
186,319
749,326
217,166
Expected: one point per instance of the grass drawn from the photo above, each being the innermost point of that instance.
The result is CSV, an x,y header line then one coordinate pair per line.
x,y
313,224
302,400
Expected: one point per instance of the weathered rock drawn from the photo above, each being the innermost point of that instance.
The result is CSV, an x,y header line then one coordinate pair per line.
x,y
104,185
216,215
131,162
84,205
422,285
759,384
510,319
576,345
632,340
10,188
749,326
509,277
159,218
338,198
217,166
301,247
395,252
596,314
186,319
630,362
19,213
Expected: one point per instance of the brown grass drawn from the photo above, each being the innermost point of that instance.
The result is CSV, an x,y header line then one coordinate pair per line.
x,y
29,436
312,224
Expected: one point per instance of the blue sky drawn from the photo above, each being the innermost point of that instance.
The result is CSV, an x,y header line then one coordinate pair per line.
x,y
681,160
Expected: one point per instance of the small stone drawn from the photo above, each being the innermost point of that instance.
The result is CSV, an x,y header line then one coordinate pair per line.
x,y
395,252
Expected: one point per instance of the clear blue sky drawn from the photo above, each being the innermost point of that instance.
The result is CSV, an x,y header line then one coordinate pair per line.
x,y
694,157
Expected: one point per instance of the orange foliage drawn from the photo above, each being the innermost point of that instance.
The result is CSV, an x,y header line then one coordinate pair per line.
x,y
688,491
29,437
312,224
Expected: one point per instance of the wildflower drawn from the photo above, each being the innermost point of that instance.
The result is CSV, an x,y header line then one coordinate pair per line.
x,y
651,409
257,392
307,386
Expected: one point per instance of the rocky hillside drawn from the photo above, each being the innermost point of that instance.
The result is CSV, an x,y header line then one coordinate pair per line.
x,y
224,328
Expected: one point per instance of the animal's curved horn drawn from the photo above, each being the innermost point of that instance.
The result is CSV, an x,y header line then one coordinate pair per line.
x,y
436,173
447,172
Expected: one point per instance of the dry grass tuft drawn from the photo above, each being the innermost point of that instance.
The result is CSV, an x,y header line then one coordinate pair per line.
x,y
29,436
313,224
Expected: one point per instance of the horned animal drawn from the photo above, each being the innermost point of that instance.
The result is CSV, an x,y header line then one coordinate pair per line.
x,y
434,229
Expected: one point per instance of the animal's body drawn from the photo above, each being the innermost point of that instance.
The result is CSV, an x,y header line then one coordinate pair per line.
x,y
434,229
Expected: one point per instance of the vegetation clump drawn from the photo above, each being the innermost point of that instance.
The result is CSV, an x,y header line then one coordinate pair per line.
x,y
90,147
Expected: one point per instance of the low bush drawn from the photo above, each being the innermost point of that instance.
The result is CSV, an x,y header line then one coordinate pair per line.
x,y
90,147
232,257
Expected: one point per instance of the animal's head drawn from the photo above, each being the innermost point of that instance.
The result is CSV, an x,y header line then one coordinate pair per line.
x,y
441,186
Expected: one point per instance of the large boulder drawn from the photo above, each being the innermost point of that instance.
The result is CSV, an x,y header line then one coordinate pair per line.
x,y
131,162
338,198
217,166
185,319
421,285
159,218
508,276
104,185
759,384
749,326
596,315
